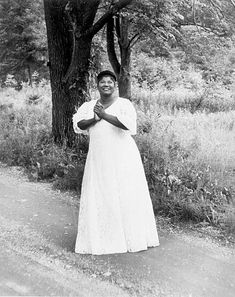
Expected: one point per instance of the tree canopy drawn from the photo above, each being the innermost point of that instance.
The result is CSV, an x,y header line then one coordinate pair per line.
x,y
189,31
23,42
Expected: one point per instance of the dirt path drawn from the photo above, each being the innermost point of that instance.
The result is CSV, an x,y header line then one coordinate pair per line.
x,y
38,231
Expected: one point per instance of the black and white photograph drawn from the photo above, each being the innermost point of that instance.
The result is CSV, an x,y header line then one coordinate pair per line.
x,y
117,148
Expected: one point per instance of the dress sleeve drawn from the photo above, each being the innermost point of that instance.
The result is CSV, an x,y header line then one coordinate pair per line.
x,y
127,116
83,113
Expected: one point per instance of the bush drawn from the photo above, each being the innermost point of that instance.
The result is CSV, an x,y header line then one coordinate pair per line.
x,y
211,99
165,85
188,158
26,140
185,158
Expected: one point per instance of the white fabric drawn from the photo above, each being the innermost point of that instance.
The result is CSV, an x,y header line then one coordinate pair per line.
x,y
84,112
116,213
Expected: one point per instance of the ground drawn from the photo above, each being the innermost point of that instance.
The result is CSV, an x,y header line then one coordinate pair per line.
x,y
38,232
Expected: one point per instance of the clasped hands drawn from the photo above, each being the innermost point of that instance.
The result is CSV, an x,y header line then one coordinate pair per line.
x,y
99,111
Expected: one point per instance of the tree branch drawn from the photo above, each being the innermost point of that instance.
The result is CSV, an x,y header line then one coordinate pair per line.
x,y
136,36
103,20
205,28
117,27
72,19
89,12
124,22
216,6
233,3
135,41
111,47
194,15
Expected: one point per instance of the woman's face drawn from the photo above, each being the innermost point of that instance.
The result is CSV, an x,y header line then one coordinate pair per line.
x,y
106,86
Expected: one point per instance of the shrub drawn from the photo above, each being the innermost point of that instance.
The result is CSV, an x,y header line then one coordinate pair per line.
x,y
188,158
26,140
185,158
210,99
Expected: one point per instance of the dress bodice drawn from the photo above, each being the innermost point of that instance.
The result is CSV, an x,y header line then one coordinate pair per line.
x,y
122,108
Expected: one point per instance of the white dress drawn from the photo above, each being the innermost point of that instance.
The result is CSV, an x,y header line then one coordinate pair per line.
x,y
116,213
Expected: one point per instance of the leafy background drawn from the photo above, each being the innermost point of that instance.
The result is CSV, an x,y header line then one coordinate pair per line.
x,y
183,89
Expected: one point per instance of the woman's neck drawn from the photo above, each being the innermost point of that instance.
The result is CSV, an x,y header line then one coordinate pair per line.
x,y
107,99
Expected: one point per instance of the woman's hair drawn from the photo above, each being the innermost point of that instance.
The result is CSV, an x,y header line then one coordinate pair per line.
x,y
106,73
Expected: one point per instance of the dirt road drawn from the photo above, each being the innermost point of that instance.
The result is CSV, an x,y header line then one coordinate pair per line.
x,y
38,231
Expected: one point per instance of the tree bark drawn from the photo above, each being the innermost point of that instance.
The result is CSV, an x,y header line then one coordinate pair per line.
x,y
122,68
69,84
111,47
124,79
70,29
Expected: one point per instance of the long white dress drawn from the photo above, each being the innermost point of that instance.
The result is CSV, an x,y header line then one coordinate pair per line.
x,y
116,213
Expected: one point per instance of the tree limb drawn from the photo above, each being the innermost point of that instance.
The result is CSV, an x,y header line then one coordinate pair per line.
x,y
111,47
103,20
233,3
77,22
194,14
134,41
117,27
89,12
205,28
72,19
124,22
136,36
217,8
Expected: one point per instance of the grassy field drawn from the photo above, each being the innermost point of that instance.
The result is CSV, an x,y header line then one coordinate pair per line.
x,y
187,143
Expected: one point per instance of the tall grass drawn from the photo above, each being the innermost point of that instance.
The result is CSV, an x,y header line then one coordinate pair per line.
x,y
209,98
188,154
189,159
208,137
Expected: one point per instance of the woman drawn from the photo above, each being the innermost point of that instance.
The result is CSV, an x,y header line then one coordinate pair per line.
x,y
116,214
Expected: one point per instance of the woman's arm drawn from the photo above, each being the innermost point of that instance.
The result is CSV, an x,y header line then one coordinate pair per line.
x,y
113,120
100,111
85,124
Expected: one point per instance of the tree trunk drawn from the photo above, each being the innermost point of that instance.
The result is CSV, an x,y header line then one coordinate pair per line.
x,y
124,79
68,95
69,86
70,29
122,68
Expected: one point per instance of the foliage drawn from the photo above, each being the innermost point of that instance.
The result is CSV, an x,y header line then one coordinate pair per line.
x,y
155,24
173,87
187,170
211,16
26,139
214,58
183,78
23,43
188,159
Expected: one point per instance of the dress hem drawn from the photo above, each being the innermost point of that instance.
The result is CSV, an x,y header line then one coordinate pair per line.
x,y
117,252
